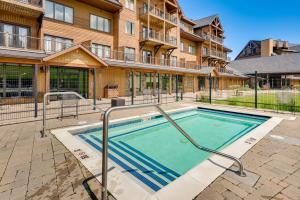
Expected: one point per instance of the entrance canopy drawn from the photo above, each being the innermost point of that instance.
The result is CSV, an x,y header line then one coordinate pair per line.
x,y
76,56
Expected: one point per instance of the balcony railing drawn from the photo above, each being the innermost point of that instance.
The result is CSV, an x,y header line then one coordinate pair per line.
x,y
38,3
153,35
24,42
171,40
158,36
212,37
141,59
214,53
159,13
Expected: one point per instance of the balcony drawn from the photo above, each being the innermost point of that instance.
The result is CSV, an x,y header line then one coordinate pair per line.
x,y
214,54
28,8
129,58
156,38
212,38
31,44
157,15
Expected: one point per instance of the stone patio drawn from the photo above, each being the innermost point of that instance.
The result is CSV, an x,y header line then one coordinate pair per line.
x,y
42,168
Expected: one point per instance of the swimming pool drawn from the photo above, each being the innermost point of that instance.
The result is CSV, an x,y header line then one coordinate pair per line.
x,y
154,153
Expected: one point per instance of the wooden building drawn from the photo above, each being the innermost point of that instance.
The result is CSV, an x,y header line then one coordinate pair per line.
x,y
74,45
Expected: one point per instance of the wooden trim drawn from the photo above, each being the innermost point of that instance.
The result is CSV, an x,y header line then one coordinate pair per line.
x,y
49,58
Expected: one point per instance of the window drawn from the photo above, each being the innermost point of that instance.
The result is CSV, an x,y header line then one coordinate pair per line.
x,y
174,61
14,36
147,57
192,49
163,60
59,12
181,46
102,51
16,80
129,28
100,23
129,54
55,44
129,4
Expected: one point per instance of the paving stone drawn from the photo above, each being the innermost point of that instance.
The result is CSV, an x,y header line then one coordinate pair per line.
x,y
209,194
292,192
230,196
268,190
19,192
282,166
280,197
5,194
233,188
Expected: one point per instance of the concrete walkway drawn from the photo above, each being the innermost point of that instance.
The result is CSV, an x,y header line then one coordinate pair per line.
x,y
42,168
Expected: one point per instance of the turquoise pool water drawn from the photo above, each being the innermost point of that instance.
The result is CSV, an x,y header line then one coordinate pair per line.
x,y
155,153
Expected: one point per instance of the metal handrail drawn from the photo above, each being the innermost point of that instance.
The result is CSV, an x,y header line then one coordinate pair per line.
x,y
105,142
61,93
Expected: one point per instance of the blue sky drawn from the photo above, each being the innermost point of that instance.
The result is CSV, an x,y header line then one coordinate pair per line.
x,y
244,20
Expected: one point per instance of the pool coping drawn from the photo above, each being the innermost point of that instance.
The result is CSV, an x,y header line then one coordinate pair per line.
x,y
187,186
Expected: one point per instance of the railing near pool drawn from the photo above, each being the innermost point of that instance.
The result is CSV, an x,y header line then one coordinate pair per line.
x,y
68,99
161,111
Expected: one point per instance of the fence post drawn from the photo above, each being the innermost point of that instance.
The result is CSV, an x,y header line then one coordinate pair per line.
x,y
132,87
210,88
36,90
158,86
255,90
94,89
177,98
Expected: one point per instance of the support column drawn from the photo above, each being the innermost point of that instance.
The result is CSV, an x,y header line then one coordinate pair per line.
x,y
154,82
177,97
195,84
94,88
132,87
158,87
35,89
170,84
47,79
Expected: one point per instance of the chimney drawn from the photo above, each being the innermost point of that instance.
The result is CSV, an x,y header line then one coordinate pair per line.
x,y
267,47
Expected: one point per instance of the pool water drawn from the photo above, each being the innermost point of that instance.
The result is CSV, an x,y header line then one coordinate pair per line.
x,y
155,153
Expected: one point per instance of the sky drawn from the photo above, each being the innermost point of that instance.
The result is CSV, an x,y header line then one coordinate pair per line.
x,y
245,20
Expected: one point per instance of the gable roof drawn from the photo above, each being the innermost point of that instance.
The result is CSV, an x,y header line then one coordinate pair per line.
x,y
204,21
79,46
296,48
281,64
256,42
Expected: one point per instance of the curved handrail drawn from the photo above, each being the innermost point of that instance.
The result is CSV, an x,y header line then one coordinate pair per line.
x,y
105,142
61,93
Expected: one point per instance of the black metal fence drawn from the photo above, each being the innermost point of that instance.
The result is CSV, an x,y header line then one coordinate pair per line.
x,y
258,91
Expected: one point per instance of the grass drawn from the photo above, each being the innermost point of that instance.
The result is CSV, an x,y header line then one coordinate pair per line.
x,y
264,101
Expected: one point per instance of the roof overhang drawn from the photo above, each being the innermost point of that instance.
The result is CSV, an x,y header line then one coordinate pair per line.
x,y
108,5
190,36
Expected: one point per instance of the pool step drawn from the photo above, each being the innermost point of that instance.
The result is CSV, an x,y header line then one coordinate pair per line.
x,y
145,169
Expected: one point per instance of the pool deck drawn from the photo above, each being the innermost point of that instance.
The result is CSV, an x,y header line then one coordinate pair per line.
x,y
42,168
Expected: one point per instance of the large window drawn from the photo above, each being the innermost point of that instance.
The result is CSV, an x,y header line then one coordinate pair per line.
x,y
55,44
14,36
100,23
64,79
102,51
129,54
129,4
129,28
59,12
16,80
